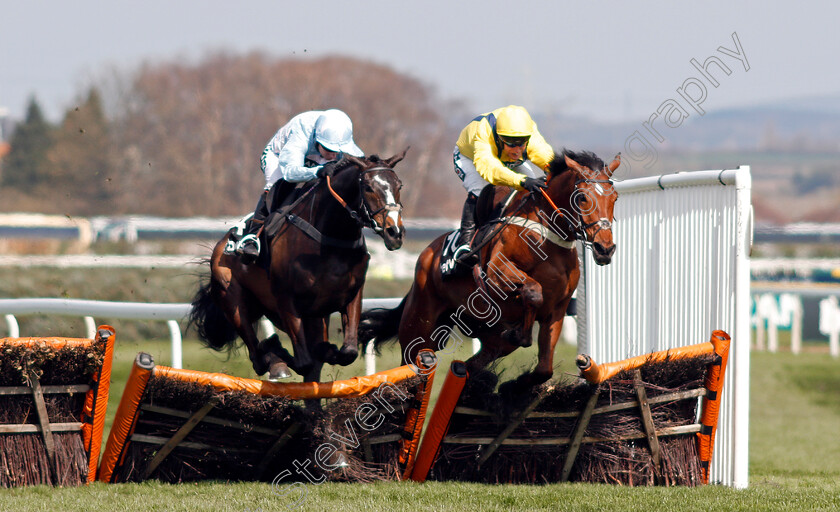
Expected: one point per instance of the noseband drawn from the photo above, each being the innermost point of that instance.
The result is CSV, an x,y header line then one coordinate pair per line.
x,y
602,223
365,218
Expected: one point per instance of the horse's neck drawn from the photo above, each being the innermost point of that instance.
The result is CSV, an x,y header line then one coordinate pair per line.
x,y
329,216
559,191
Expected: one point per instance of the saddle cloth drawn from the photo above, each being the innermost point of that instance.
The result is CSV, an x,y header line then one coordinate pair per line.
x,y
448,265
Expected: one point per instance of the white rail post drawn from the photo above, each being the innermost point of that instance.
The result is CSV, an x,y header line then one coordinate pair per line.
x,y
90,327
12,326
370,358
773,327
759,325
830,324
267,327
175,335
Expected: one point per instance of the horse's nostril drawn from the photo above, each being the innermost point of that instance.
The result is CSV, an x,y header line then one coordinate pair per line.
x,y
393,231
606,251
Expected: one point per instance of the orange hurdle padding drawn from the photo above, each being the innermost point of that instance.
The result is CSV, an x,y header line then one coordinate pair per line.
x,y
439,422
354,387
711,402
598,373
96,402
416,415
126,417
96,398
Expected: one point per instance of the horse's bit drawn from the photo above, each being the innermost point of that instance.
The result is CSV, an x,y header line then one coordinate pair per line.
x,y
367,218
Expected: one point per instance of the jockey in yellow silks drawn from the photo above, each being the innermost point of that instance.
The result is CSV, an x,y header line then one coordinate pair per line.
x,y
494,149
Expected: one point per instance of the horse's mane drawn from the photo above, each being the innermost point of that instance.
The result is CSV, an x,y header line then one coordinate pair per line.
x,y
345,163
584,158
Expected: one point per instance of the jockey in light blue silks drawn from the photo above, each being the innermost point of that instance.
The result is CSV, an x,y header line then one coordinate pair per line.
x,y
305,148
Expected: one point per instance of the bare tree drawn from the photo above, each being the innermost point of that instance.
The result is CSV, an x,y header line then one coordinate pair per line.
x,y
190,135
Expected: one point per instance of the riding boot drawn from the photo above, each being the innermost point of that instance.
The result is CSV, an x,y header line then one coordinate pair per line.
x,y
248,247
467,233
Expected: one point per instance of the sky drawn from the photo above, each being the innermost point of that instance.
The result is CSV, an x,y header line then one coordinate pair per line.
x,y
608,61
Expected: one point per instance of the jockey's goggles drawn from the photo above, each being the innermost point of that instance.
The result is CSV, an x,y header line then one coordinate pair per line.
x,y
513,142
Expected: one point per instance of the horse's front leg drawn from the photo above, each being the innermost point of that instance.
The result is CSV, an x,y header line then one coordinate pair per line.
x,y
529,292
547,340
349,351
532,300
301,362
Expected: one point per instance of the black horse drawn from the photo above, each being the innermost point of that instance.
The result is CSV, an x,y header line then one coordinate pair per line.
x,y
318,261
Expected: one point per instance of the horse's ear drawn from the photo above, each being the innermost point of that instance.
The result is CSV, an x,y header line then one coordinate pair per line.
x,y
614,164
571,164
396,158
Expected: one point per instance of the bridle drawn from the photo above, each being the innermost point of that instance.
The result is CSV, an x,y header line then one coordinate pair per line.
x,y
579,228
365,217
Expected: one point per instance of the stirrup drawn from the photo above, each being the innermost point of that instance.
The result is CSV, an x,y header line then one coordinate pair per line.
x,y
462,256
248,248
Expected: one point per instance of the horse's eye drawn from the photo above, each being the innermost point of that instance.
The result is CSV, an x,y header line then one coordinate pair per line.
x,y
368,188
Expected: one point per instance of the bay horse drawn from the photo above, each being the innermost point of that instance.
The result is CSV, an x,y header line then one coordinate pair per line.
x,y
317,265
528,271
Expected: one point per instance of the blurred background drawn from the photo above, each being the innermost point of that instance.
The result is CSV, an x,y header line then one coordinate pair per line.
x,y
136,129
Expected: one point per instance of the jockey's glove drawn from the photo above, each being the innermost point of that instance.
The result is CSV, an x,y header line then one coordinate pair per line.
x,y
328,169
534,184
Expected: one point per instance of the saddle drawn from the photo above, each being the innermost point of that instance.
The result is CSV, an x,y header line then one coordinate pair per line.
x,y
283,197
486,213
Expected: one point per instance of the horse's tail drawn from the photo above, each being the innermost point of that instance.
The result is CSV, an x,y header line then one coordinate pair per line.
x,y
380,324
210,322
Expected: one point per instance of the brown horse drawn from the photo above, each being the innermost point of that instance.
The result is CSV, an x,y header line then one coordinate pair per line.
x,y
317,265
528,271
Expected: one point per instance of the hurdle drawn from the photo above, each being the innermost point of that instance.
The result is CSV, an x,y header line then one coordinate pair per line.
x,y
631,422
53,399
186,425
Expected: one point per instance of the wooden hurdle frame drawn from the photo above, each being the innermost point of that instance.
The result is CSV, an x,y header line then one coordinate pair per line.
x,y
446,408
132,407
92,416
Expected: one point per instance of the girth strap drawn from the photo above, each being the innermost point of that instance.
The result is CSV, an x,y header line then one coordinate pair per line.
x,y
316,235
541,230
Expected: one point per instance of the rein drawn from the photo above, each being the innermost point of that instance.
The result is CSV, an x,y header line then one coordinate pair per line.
x,y
580,228
368,220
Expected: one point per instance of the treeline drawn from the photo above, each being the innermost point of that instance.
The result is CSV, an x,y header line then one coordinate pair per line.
x,y
184,139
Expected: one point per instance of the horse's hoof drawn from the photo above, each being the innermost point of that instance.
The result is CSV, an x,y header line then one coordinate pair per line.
x,y
279,371
346,356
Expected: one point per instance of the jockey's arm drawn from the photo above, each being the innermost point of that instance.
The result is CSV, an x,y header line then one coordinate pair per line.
x,y
491,168
539,151
292,158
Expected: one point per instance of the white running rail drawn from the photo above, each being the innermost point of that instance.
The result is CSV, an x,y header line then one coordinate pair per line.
x,y
172,314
